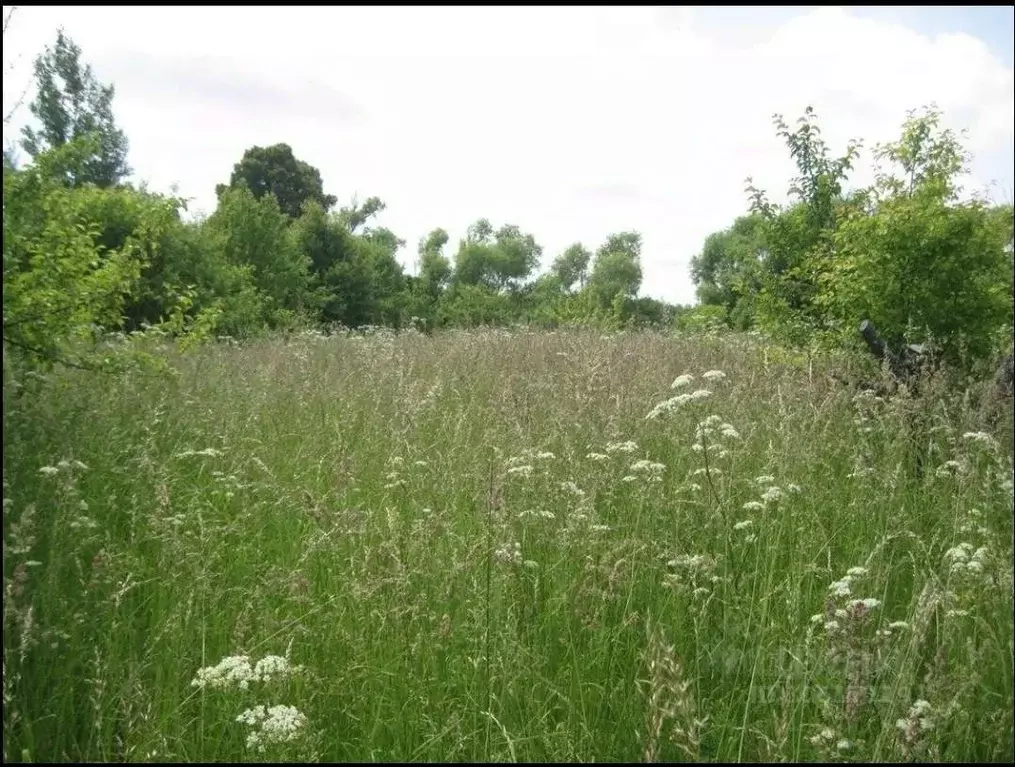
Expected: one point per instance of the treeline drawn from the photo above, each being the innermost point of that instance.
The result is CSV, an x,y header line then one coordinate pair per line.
x,y
86,253
83,249
903,252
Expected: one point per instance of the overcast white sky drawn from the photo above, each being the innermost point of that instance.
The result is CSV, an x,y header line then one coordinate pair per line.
x,y
569,122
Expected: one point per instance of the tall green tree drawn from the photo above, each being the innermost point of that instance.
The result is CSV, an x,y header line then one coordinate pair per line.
x,y
728,271
276,170
572,266
617,268
798,236
71,103
254,233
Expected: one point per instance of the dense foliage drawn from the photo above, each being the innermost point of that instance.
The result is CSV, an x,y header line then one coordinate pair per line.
x,y
86,253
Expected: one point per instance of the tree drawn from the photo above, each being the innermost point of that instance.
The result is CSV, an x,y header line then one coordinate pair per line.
x,y
572,266
617,268
357,215
61,283
434,268
516,255
728,270
71,103
497,260
254,232
797,237
380,248
916,261
275,170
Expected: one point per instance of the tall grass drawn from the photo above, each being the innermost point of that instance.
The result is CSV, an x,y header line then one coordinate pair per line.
x,y
475,546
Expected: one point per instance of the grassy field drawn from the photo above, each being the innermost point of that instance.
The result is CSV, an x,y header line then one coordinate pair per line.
x,y
502,546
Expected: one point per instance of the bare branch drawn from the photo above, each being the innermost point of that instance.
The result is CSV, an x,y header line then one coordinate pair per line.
x,y
7,17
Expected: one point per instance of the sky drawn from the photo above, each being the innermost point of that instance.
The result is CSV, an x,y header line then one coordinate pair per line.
x,y
572,123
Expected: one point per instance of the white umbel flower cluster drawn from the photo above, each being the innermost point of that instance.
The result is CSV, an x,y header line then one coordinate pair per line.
x,y
273,724
237,671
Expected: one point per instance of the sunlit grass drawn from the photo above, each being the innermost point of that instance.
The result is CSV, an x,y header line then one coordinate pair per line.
x,y
478,546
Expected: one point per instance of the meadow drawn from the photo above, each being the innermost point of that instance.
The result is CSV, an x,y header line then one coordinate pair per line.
x,y
503,546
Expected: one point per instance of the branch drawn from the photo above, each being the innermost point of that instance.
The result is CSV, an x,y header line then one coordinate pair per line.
x,y
7,18
49,356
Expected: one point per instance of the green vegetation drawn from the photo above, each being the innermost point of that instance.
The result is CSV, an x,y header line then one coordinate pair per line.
x,y
276,255
255,507
478,547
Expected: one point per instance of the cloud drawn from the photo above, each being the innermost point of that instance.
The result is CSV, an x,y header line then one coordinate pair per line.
x,y
210,83
570,122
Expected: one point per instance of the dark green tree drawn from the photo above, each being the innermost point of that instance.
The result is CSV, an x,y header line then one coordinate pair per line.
x,y
276,170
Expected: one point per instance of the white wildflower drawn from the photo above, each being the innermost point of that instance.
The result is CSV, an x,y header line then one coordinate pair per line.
x,y
765,479
234,670
272,667
668,405
980,437
521,471
840,588
713,471
753,506
919,719
649,467
714,375
743,524
682,380
825,736
948,468
597,457
691,561
48,471
856,572
509,553
572,488
622,447
772,494
275,724
868,604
